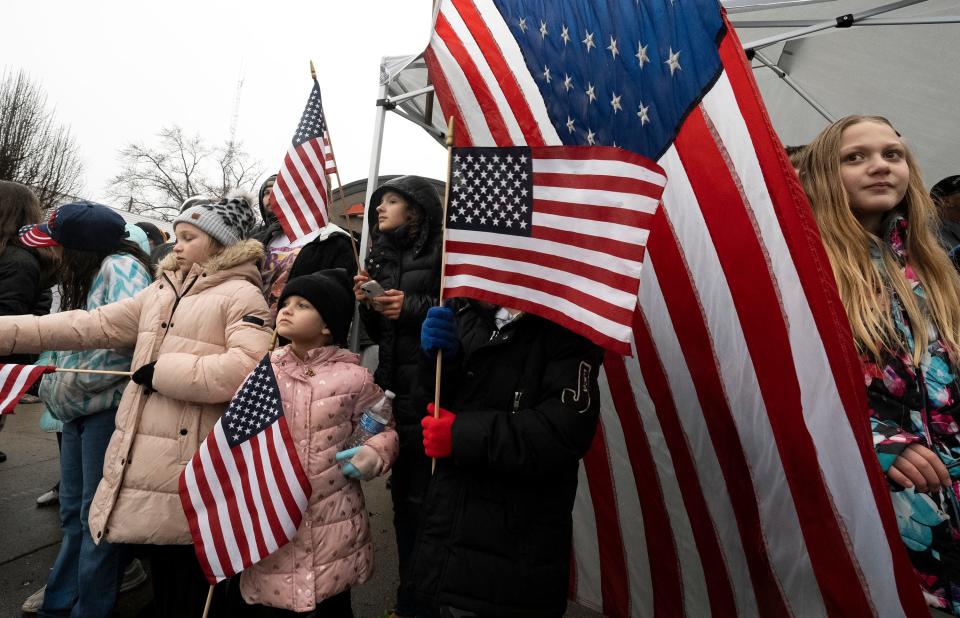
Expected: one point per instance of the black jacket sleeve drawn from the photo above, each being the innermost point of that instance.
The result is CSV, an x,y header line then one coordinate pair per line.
x,y
335,251
415,307
19,282
554,431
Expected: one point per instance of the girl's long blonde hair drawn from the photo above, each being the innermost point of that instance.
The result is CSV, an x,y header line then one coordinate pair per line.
x,y
865,291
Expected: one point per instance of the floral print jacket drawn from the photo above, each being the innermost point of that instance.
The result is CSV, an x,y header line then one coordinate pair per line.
x,y
907,406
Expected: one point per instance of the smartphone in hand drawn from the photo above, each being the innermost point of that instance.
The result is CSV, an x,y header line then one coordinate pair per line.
x,y
371,289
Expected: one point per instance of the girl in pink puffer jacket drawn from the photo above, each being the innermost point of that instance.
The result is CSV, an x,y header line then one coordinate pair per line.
x,y
324,391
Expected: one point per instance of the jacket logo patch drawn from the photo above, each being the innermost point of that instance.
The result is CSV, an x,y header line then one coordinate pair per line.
x,y
579,399
252,319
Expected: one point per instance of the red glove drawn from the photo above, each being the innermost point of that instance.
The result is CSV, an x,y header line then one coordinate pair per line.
x,y
437,437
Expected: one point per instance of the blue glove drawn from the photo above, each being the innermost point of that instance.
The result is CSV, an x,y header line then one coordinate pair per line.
x,y
439,332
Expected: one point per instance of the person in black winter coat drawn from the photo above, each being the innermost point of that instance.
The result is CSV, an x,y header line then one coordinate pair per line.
x,y
405,261
323,249
519,409
25,274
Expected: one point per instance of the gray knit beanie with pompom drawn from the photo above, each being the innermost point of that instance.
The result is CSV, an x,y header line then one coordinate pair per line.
x,y
228,221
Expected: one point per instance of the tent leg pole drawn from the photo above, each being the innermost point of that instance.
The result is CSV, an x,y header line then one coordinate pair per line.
x,y
795,86
372,177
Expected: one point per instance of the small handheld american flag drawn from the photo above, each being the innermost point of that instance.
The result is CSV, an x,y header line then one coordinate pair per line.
x,y
299,195
557,231
15,380
244,491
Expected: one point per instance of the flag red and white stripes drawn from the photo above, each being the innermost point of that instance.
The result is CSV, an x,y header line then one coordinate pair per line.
x,y
244,491
557,231
15,380
299,196
734,472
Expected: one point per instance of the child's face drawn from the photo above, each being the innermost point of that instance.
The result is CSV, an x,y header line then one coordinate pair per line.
x,y
873,168
392,211
300,322
194,246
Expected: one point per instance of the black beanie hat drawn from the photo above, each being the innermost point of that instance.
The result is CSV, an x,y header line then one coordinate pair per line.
x,y
946,187
331,293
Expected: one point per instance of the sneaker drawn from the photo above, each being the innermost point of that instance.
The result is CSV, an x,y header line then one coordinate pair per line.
x,y
28,398
50,498
34,602
133,576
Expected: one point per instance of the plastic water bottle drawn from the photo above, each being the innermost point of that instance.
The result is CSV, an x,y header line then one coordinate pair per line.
x,y
373,421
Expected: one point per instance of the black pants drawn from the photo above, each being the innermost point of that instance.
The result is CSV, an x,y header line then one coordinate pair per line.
x,y
408,486
337,606
179,586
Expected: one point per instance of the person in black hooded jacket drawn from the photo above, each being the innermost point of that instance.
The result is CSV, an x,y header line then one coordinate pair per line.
x,y
519,409
405,261
26,274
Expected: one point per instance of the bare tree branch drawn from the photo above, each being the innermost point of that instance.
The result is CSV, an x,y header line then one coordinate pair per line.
x,y
35,149
158,178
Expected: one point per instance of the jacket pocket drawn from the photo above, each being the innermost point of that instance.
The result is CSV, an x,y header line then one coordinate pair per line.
x,y
188,431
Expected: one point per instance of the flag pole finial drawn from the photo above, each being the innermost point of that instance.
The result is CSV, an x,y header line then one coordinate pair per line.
x,y
313,71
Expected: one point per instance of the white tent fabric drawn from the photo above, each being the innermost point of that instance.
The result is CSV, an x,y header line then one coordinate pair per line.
x,y
904,71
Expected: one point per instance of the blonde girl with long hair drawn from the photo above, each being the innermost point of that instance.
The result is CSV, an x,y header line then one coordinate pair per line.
x,y
902,298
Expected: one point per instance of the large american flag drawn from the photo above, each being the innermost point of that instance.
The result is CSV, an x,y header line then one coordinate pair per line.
x,y
15,380
299,195
733,471
559,231
244,491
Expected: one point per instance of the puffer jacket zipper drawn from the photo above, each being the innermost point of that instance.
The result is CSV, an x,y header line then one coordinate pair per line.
x,y
159,340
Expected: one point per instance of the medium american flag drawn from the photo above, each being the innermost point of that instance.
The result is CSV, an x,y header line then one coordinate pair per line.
x,y
244,491
733,471
15,380
557,231
299,195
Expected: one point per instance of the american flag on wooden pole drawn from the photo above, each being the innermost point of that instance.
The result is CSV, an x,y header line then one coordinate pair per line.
x,y
556,231
299,195
733,471
15,380
244,491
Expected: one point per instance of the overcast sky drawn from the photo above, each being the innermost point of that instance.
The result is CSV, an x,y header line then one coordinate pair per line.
x,y
119,71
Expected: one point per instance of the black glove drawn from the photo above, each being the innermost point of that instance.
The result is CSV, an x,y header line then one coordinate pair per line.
x,y
144,376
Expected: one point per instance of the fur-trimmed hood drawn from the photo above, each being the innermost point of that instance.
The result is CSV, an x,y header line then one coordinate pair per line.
x,y
244,251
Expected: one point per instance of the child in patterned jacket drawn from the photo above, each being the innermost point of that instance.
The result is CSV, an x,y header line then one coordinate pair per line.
x,y
902,298
99,266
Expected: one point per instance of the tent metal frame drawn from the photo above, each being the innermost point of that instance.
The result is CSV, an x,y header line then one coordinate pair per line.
x,y
841,22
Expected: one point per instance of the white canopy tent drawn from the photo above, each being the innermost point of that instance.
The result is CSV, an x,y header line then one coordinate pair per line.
x,y
890,59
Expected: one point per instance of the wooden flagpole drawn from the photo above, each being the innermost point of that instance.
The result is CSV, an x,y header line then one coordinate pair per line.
x,y
336,171
443,270
100,371
206,606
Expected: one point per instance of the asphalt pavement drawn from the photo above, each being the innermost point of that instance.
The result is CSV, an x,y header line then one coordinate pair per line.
x,y
30,537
